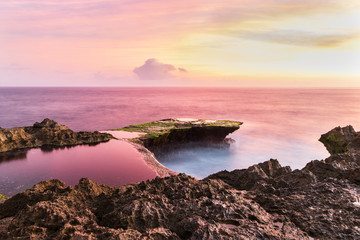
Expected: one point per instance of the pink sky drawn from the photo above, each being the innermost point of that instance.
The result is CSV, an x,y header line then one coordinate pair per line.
x,y
180,43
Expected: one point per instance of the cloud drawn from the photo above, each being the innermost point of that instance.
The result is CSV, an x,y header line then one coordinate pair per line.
x,y
298,38
153,69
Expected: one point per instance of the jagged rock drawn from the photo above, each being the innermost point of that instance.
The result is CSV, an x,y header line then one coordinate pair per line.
x,y
176,207
321,199
320,204
48,133
265,201
344,163
341,140
245,179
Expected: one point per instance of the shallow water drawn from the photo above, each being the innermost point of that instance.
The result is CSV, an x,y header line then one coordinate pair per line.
x,y
113,163
278,123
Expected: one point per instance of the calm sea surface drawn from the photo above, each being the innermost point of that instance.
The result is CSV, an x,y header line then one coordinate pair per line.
x,y
278,123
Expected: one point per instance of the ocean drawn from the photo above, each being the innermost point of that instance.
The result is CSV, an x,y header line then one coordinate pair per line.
x,y
284,124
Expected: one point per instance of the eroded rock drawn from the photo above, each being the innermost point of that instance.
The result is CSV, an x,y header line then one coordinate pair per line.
x,y
265,201
47,133
341,140
176,207
168,134
322,199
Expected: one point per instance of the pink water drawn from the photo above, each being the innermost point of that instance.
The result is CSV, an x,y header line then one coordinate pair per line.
x,y
113,163
278,123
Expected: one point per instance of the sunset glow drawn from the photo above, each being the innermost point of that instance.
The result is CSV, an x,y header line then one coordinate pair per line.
x,y
180,43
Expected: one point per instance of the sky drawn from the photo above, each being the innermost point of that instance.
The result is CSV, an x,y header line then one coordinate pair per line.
x,y
229,43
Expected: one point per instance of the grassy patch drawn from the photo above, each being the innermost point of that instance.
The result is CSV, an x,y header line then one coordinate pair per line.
x,y
154,135
156,129
2,196
334,138
146,127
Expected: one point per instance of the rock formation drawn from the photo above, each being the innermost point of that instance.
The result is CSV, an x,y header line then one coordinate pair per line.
x,y
265,201
167,134
48,133
322,199
176,207
341,140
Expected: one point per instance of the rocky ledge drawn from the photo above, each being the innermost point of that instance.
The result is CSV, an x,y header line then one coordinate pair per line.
x,y
47,133
265,201
165,135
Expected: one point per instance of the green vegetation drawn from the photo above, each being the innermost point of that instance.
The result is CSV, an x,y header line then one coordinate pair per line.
x,y
334,138
334,143
173,123
2,196
153,130
146,127
154,135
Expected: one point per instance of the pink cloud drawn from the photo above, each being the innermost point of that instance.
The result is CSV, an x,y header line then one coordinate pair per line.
x,y
153,69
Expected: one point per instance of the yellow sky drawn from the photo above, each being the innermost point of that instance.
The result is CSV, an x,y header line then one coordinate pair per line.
x,y
279,43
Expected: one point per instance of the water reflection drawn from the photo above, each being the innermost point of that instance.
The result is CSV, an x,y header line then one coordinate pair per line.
x,y
9,156
278,123
114,163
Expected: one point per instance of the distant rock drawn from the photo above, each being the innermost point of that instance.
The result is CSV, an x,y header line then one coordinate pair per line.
x,y
48,133
168,134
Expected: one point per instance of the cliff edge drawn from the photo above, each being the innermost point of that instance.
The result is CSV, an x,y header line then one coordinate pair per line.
x,y
167,134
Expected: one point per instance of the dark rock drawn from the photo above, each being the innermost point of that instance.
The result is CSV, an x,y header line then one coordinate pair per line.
x,y
318,199
322,199
265,201
341,140
245,179
176,207
48,133
166,135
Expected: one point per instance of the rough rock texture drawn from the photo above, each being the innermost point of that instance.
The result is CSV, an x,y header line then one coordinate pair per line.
x,y
165,135
341,140
176,207
48,133
265,201
322,199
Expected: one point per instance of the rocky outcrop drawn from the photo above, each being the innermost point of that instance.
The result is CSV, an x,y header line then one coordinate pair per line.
x,y
322,199
323,207
48,133
265,201
176,207
168,134
341,140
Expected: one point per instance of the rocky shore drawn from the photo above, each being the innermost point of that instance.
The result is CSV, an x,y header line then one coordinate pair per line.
x,y
168,134
47,133
153,139
265,201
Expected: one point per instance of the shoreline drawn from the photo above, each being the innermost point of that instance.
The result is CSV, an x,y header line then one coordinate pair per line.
x,y
266,200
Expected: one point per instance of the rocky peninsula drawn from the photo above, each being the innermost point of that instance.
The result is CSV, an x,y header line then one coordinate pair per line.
x,y
47,133
265,201
166,135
